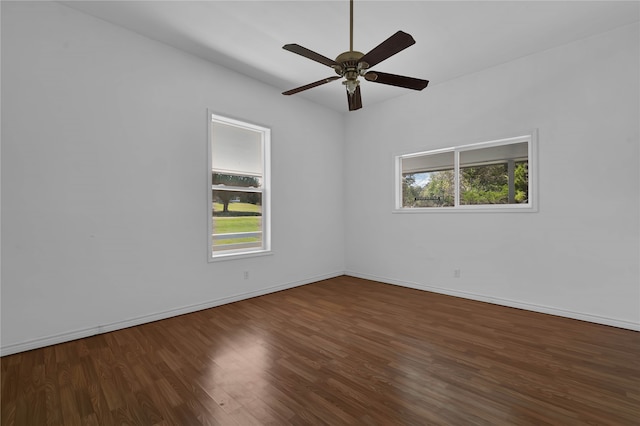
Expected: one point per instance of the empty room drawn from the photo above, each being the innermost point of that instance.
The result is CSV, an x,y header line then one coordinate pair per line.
x,y
320,213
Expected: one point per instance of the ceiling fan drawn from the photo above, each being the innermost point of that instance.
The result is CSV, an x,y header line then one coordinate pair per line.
x,y
353,64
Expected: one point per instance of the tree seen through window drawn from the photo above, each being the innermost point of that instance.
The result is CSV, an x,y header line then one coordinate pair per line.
x,y
487,184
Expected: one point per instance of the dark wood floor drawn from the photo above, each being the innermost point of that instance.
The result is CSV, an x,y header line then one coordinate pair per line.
x,y
341,351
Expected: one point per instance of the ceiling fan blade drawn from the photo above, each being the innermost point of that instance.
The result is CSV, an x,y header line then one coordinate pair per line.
x,y
355,100
394,44
396,80
310,54
311,85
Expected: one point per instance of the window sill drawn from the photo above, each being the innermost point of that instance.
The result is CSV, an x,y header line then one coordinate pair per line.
x,y
243,255
508,208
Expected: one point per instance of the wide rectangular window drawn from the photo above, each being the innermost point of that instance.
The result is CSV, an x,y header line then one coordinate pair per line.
x,y
488,176
238,188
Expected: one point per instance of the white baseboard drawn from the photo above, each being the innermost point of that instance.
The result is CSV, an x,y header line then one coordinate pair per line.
x,y
119,325
503,302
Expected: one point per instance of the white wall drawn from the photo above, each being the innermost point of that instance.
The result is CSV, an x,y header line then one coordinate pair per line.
x,y
104,180
579,255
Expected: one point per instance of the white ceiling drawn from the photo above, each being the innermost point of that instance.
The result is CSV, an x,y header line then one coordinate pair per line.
x,y
453,38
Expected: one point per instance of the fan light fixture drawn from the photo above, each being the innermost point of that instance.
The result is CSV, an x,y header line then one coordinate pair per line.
x,y
352,85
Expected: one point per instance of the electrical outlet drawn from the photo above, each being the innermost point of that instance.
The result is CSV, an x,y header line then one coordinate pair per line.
x,y
246,275
456,273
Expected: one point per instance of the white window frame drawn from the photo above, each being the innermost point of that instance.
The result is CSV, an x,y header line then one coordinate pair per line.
x,y
265,190
531,206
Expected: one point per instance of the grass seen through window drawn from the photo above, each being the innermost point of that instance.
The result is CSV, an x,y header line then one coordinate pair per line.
x,y
241,217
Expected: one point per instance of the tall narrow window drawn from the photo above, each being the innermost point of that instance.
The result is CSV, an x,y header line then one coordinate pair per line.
x,y
239,188
489,176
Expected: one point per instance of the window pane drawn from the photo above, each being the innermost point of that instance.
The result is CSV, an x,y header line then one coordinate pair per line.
x,y
237,220
494,175
427,180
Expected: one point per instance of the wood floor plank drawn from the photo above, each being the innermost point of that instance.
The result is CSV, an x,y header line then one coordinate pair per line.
x,y
340,351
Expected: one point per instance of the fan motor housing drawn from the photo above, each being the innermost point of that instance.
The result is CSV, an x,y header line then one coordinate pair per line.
x,y
351,56
349,66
